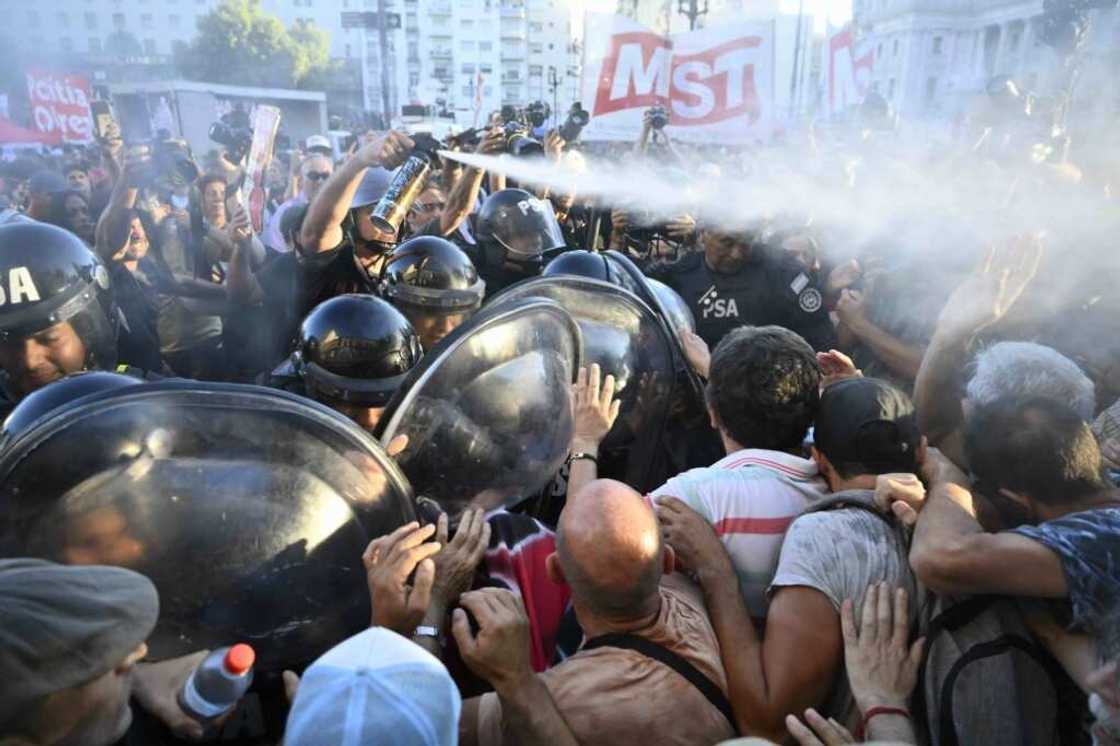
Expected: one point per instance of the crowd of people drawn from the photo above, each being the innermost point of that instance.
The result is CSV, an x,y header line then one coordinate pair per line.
x,y
893,517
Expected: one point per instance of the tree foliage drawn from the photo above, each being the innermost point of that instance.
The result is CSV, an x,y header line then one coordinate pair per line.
x,y
240,44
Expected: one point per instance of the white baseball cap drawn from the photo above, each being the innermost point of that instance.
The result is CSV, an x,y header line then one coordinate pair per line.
x,y
318,141
375,687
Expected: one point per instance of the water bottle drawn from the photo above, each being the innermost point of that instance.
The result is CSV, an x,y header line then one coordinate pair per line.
x,y
219,681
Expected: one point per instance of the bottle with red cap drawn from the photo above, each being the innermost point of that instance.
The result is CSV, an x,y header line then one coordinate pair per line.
x,y
219,681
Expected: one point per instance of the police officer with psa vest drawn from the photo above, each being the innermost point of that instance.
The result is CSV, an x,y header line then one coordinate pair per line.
x,y
57,312
736,280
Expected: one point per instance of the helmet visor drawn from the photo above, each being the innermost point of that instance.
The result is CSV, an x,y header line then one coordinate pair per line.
x,y
528,229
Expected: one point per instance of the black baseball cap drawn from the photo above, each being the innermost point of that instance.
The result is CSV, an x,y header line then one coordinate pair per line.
x,y
867,422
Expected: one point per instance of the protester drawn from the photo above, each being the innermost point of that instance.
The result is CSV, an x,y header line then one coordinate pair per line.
x,y
72,655
610,552
313,172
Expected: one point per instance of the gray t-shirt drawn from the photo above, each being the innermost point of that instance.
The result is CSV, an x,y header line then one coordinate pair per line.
x,y
840,552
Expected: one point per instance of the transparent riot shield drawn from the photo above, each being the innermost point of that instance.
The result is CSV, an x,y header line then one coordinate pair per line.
x,y
249,509
487,411
624,336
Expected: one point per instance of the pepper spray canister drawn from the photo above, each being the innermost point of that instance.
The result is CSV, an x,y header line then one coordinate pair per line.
x,y
406,185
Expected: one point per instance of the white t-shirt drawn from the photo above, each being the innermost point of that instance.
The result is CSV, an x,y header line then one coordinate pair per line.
x,y
750,497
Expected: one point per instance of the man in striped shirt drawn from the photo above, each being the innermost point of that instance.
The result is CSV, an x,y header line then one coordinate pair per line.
x,y
763,393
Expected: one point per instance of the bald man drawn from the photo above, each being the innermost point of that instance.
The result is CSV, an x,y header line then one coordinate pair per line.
x,y
609,551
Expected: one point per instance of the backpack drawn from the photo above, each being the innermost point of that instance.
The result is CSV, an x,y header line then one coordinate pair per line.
x,y
984,679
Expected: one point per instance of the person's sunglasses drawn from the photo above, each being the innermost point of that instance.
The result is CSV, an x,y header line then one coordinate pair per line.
x,y
318,175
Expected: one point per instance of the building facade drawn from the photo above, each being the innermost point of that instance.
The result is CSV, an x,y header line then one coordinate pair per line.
x,y
934,57
460,55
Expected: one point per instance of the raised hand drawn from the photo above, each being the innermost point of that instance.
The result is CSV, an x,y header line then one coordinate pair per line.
x,y
389,561
987,296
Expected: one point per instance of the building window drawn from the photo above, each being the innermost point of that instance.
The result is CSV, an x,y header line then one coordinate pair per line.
x,y
348,50
145,20
536,48
535,70
150,47
536,28
879,52
91,20
890,89
466,46
95,45
937,45
467,23
485,67
173,21
467,68
485,46
66,44
63,20
414,79
931,89
467,90
895,48
413,50
33,18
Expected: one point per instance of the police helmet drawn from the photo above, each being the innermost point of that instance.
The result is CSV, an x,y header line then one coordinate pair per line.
x,y
432,273
516,226
63,392
585,264
47,277
355,349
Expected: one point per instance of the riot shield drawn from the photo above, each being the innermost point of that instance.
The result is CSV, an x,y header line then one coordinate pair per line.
x,y
624,336
677,312
487,411
642,286
249,509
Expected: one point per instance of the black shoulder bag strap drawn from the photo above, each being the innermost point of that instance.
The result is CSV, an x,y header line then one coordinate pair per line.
x,y
663,655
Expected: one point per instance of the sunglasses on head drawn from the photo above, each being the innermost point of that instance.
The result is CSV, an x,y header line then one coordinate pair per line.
x,y
318,175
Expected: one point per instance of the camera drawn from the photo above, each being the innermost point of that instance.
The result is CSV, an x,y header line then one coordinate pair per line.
x,y
658,117
577,119
167,165
518,142
537,113
235,138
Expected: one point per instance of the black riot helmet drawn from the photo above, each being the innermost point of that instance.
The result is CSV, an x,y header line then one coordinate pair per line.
x,y
434,284
355,349
48,277
61,393
585,264
515,226
432,273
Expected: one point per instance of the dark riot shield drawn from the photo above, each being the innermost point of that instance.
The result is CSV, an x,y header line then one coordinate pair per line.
x,y
249,509
623,335
487,411
677,312
669,315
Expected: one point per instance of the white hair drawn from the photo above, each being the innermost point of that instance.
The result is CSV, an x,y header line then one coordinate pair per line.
x,y
1023,370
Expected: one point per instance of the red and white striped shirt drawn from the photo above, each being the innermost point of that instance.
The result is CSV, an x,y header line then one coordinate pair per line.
x,y
750,497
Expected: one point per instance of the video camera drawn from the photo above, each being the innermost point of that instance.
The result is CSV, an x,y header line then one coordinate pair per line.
x,y
658,117
516,126
577,119
235,133
169,164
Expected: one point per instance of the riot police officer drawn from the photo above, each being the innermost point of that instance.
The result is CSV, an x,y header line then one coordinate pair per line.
x,y
516,234
737,279
354,352
434,284
584,263
57,313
